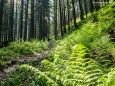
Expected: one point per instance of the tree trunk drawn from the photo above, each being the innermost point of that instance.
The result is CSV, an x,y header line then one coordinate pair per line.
x,y
1,18
32,20
21,20
26,19
85,5
81,10
68,11
11,20
91,6
60,7
74,14
55,19
64,20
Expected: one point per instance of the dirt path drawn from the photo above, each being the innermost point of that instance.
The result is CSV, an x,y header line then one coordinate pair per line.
x,y
38,57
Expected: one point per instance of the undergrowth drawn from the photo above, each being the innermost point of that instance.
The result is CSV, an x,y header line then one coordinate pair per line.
x,y
9,53
84,58
23,48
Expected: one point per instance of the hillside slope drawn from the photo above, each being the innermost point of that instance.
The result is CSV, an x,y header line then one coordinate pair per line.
x,y
83,58
90,31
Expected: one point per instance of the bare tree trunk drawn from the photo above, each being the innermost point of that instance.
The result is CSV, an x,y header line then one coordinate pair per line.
x,y
61,24
32,20
1,18
81,10
91,6
11,20
74,14
26,19
68,10
85,5
21,20
55,19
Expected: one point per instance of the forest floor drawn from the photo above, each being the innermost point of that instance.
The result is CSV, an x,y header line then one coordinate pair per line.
x,y
25,59
85,55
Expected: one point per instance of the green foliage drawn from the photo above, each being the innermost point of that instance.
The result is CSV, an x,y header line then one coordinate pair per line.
x,y
6,60
24,48
29,76
102,50
108,79
8,52
87,33
83,58
2,63
72,72
28,47
75,71
80,51
90,41
82,72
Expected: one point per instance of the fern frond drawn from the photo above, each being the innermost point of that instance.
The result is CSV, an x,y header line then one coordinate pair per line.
x,y
108,79
39,76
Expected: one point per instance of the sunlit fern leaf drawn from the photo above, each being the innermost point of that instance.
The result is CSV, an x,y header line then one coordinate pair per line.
x,y
48,66
80,50
54,70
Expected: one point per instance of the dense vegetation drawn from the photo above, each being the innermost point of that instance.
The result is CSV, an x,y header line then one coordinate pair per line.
x,y
9,54
84,57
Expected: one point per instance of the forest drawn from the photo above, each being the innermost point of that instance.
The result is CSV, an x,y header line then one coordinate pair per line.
x,y
57,42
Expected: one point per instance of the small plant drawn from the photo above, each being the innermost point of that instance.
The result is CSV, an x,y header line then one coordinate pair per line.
x,y
29,76
24,48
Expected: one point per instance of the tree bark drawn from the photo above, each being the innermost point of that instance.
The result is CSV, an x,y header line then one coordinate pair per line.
x,y
26,19
91,6
74,14
68,11
32,20
21,20
81,10
55,19
1,18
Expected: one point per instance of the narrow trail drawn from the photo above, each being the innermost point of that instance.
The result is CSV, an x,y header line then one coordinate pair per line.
x,y
38,57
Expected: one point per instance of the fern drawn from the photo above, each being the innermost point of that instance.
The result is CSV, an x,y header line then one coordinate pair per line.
x,y
29,76
82,72
102,49
78,70
80,51
54,69
108,79
39,76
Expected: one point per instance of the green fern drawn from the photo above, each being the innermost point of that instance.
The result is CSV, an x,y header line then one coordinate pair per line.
x,y
39,76
29,76
80,51
76,71
82,72
108,79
